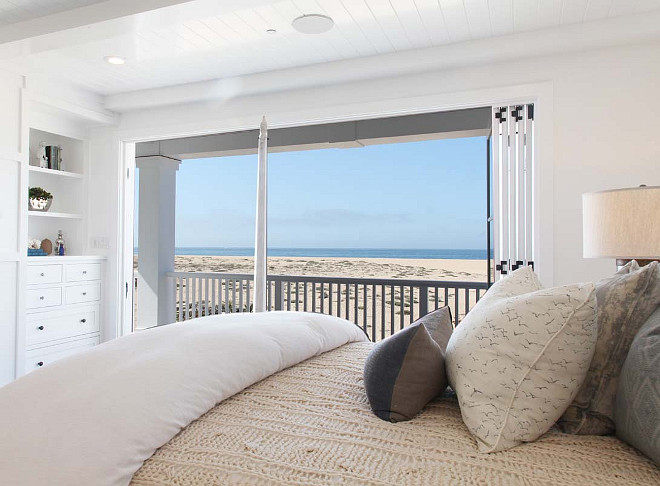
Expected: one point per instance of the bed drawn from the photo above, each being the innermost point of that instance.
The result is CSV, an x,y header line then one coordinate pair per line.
x,y
311,424
307,422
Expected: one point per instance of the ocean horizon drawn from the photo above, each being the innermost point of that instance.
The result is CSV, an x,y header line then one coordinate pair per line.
x,y
428,254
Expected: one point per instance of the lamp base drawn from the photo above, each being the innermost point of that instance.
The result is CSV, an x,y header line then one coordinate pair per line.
x,y
620,262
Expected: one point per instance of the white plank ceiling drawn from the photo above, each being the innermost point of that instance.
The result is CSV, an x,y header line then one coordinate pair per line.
x,y
12,11
236,43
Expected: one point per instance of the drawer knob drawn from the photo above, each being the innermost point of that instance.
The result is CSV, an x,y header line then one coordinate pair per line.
x,y
41,298
83,320
41,328
42,274
84,272
84,293
40,363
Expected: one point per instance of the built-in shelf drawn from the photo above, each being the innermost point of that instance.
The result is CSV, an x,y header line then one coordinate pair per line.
x,y
51,214
65,258
59,173
68,188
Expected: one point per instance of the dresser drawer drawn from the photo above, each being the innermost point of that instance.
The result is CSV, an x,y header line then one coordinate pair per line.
x,y
51,326
78,294
38,358
81,272
43,274
37,298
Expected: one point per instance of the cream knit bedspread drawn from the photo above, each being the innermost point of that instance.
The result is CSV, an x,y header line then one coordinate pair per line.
x,y
311,425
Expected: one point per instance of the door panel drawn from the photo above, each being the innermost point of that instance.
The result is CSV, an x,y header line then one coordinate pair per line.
x,y
511,174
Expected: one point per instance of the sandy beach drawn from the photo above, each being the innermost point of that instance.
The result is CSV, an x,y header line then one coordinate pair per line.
x,y
423,269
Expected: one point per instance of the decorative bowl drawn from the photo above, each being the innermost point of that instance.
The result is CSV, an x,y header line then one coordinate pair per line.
x,y
42,205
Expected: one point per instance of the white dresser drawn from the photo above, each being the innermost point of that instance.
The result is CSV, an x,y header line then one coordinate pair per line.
x,y
63,307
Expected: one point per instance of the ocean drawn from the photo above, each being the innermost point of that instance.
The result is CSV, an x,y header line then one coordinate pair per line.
x,y
446,254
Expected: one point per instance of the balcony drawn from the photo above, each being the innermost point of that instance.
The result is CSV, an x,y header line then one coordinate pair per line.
x,y
378,306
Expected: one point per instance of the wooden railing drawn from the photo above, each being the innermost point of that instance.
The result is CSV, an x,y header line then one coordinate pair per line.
x,y
379,306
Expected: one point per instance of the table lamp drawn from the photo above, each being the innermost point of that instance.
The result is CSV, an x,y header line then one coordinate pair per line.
x,y
622,224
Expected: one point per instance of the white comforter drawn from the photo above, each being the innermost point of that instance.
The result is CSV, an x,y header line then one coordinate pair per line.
x,y
94,418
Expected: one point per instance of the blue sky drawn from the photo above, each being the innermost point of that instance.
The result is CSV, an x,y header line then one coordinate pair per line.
x,y
408,195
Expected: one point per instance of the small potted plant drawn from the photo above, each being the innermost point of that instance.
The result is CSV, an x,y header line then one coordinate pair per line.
x,y
39,199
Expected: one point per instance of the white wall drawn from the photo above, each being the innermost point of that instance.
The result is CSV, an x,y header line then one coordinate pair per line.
x,y
104,209
603,134
13,173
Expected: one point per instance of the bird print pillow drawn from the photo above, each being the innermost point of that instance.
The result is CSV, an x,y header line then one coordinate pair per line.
x,y
517,361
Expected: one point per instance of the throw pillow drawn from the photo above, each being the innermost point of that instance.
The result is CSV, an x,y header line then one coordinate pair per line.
x,y
624,302
407,370
517,362
637,411
518,282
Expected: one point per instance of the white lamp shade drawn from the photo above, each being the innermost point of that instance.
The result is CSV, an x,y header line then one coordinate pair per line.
x,y
623,223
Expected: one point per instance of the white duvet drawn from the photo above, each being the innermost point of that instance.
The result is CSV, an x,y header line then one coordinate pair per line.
x,y
94,418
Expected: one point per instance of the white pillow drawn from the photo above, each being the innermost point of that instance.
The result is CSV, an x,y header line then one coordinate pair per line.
x,y
521,281
517,360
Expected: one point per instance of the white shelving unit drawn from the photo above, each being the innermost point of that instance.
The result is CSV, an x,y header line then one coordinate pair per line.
x,y
68,187
59,173
50,214
64,293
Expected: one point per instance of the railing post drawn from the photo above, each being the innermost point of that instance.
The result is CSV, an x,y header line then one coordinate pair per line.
x,y
278,295
423,300
173,301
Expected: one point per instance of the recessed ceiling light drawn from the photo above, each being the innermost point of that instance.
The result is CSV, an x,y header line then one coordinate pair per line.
x,y
271,31
117,60
313,24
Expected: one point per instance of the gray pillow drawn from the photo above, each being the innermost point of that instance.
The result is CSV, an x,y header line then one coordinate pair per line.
x,y
624,303
637,411
407,370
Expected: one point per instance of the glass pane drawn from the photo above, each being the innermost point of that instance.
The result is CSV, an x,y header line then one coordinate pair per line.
x,y
214,237
216,208
341,218
215,214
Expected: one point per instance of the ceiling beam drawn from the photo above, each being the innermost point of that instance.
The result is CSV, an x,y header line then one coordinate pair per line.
x,y
111,18
80,17
429,126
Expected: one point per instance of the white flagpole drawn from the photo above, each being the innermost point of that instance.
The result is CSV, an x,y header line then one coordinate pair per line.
x,y
261,241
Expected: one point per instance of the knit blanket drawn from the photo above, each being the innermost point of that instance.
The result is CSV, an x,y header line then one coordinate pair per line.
x,y
94,418
311,425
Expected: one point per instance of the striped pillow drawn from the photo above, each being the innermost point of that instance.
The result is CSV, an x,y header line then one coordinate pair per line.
x,y
407,370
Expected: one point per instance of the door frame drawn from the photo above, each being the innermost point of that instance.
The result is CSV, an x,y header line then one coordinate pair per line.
x,y
541,94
